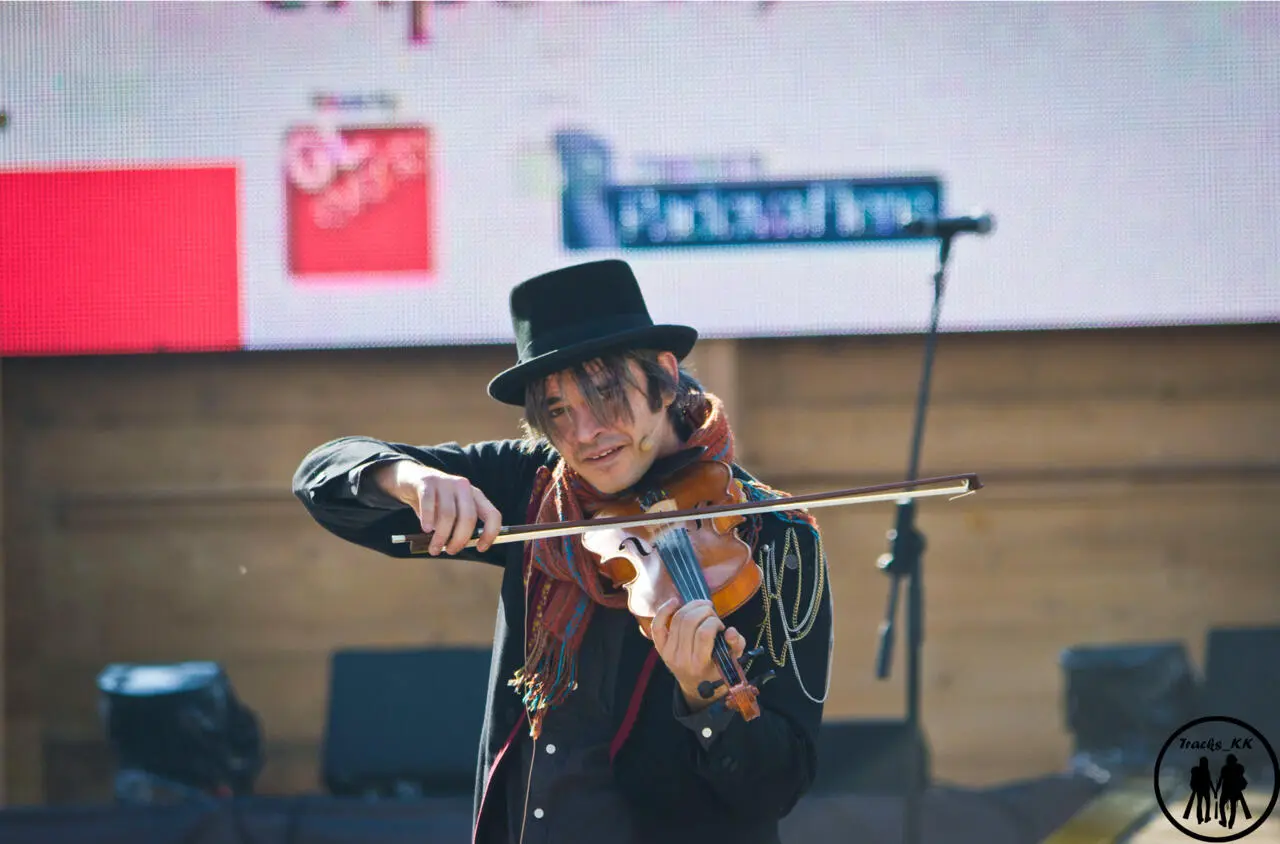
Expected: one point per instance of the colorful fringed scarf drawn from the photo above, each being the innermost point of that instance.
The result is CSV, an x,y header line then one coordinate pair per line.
x,y
562,581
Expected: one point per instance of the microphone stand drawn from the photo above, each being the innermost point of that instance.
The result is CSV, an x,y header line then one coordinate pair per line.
x,y
904,561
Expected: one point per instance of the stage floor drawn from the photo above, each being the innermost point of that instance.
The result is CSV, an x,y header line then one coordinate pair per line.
x,y
1159,831
1018,813
1128,813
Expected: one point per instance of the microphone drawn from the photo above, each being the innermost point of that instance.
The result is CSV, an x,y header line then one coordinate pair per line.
x,y
646,442
949,226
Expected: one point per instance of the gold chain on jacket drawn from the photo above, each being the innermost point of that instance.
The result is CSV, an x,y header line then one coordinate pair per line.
x,y
771,592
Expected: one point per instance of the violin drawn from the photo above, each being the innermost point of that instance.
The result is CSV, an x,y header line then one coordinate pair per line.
x,y
675,537
701,559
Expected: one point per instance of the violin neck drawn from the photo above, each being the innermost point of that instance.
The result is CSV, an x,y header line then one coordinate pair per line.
x,y
681,562
730,671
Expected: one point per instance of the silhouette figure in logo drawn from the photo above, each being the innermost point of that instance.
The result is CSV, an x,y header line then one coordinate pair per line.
x,y
1230,788
1202,793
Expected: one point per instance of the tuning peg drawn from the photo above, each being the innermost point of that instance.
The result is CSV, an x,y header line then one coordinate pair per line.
x,y
707,688
764,678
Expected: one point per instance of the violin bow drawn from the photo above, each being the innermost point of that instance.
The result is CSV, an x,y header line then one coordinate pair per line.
x,y
956,486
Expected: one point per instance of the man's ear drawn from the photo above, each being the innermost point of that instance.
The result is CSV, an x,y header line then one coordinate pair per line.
x,y
670,363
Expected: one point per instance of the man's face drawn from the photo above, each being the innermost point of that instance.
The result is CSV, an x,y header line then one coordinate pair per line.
x,y
607,454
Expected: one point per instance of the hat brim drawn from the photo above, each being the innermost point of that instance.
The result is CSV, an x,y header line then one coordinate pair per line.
x,y
508,386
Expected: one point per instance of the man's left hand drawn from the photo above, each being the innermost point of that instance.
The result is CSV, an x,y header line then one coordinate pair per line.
x,y
684,637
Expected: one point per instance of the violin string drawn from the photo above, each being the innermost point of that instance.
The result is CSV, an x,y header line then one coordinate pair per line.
x,y
684,565
675,566
676,547
686,569
684,553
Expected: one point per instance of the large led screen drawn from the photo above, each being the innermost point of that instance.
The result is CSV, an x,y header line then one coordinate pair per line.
x,y
259,175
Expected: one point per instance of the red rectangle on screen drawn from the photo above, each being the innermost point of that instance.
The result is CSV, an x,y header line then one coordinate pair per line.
x,y
358,201
119,260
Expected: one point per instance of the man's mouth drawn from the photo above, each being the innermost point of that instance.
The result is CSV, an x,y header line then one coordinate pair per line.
x,y
601,456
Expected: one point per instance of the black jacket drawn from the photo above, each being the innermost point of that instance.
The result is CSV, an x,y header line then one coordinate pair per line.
x,y
681,785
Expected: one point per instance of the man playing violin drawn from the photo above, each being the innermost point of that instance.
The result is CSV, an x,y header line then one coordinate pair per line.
x,y
594,731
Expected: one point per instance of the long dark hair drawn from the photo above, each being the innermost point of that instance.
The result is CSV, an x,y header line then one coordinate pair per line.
x,y
600,381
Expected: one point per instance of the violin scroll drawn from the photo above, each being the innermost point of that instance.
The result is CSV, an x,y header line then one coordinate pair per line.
x,y
741,697
707,688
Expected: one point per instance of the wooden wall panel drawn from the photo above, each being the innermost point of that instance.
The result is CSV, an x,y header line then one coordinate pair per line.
x,y
1131,480
26,522
811,372
1130,477
1021,571
250,582
159,526
1083,434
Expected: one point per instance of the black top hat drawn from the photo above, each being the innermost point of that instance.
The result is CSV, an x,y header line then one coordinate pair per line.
x,y
572,315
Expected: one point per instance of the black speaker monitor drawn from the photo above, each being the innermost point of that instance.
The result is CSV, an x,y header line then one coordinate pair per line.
x,y
1123,700
404,721
1242,677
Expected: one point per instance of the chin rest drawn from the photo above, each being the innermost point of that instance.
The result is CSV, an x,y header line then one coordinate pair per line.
x,y
665,467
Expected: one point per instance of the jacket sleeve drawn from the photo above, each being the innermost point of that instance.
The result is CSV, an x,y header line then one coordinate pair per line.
x,y
757,770
335,486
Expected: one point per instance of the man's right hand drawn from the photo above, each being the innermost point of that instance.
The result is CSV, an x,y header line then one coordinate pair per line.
x,y
448,506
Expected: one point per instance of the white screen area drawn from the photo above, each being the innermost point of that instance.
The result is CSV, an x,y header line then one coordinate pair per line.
x,y
1126,151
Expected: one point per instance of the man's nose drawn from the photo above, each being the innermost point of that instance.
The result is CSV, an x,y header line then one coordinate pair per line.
x,y
586,426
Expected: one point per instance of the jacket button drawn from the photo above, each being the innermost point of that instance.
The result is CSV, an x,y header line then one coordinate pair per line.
x,y
551,748
538,813
706,732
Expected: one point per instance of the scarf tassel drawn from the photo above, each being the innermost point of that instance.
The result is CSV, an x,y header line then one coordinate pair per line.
x,y
530,682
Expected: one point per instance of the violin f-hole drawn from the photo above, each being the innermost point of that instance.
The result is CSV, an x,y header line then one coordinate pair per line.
x,y
640,549
697,522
